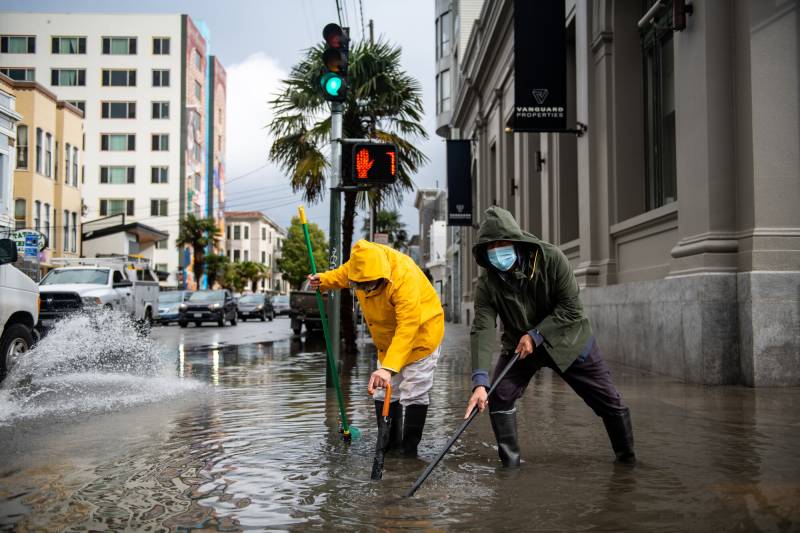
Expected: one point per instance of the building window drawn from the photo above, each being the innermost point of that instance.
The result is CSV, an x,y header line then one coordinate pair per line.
x,y
236,256
46,221
22,146
159,142
117,142
118,109
48,155
80,104
659,87
444,30
196,57
263,234
20,207
159,174
110,207
66,163
18,44
198,90
197,181
246,232
162,244
74,166
237,232
161,78
158,208
196,122
119,78
247,255
443,92
162,267
68,77
74,243
39,137
37,215
264,257
19,74
160,109
66,230
119,46
68,45
197,153
161,46
117,175
228,232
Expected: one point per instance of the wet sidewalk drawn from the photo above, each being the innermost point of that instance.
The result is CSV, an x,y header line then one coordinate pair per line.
x,y
254,444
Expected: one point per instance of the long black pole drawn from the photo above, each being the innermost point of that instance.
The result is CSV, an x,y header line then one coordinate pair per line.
x,y
418,483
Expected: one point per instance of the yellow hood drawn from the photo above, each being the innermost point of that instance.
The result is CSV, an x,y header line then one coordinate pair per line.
x,y
368,262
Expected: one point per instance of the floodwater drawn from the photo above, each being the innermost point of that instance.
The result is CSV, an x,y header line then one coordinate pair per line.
x,y
227,438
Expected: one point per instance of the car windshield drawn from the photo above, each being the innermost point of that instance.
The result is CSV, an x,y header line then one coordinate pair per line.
x,y
281,299
207,296
252,299
170,297
76,275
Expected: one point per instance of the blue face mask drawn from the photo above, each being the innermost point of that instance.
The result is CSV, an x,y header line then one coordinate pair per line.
x,y
502,257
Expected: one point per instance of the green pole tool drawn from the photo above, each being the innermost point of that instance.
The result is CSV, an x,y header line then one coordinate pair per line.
x,y
349,432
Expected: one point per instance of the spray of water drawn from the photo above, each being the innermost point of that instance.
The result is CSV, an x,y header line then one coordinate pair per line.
x,y
89,362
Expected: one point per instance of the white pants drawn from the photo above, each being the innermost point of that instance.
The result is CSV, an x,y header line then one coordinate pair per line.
x,y
412,383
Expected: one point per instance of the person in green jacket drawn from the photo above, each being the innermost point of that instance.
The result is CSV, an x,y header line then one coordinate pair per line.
x,y
529,284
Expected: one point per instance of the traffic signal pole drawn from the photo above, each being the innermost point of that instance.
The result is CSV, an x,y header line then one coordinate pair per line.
x,y
335,230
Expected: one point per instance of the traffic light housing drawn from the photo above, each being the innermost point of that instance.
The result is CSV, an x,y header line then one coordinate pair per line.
x,y
369,163
333,78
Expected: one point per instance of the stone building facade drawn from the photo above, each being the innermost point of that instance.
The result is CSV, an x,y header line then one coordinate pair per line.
x,y
677,207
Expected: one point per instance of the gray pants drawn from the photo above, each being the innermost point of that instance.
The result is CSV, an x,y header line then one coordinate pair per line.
x,y
412,383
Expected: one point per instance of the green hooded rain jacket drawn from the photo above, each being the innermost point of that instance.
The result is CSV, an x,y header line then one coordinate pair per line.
x,y
539,295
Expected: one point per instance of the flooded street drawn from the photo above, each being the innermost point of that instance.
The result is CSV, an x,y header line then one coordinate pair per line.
x,y
245,436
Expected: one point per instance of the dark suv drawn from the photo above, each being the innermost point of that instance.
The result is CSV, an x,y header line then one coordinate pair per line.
x,y
208,306
255,306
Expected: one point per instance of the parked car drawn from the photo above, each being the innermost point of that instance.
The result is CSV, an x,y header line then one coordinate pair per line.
x,y
255,306
208,306
281,304
128,285
304,309
169,305
19,308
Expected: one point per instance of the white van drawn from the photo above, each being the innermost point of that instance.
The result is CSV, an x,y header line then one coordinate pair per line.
x,y
127,285
19,308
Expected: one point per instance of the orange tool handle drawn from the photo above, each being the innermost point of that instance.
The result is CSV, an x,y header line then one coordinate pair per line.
x,y
387,400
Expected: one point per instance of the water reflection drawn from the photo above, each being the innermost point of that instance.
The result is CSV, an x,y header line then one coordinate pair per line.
x,y
260,448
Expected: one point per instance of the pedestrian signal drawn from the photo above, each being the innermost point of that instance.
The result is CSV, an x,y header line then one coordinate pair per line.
x,y
369,163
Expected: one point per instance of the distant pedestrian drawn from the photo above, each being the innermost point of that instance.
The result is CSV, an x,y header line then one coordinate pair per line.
x,y
406,321
529,284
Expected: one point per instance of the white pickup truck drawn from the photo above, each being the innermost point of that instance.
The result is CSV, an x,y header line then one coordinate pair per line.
x,y
19,308
94,283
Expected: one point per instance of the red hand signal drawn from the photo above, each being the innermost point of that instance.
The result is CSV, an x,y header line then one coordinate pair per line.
x,y
363,163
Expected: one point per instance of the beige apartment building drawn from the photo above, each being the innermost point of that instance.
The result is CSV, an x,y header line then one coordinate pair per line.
x,y
49,169
678,204
253,236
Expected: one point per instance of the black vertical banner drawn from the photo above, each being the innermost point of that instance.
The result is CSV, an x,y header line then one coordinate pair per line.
x,y
540,66
459,183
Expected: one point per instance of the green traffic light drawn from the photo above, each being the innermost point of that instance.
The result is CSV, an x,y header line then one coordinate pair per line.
x,y
331,83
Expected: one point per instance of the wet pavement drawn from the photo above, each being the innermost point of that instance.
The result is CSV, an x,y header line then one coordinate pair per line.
x,y
236,436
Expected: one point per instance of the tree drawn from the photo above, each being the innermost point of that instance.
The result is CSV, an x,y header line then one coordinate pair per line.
x,y
233,279
253,272
197,233
294,261
389,222
383,102
216,266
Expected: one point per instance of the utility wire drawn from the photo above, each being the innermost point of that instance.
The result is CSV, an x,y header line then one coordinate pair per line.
x,y
339,12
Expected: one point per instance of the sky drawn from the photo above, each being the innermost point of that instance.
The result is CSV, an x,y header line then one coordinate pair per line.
x,y
258,41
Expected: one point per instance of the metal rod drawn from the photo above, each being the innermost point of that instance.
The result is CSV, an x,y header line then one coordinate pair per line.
x,y
335,229
651,13
418,483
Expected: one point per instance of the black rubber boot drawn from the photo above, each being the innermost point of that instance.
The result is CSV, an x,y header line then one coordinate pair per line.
x,y
504,425
620,433
412,429
396,416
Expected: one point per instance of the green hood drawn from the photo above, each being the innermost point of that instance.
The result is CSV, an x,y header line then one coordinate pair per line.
x,y
499,225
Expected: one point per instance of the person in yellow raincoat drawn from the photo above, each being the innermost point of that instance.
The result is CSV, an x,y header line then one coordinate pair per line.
x,y
406,320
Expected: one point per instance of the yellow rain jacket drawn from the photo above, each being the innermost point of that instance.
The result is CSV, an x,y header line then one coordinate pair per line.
x,y
405,316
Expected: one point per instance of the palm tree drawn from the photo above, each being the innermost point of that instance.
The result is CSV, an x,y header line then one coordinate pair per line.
x,y
197,233
215,268
383,102
253,272
389,222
